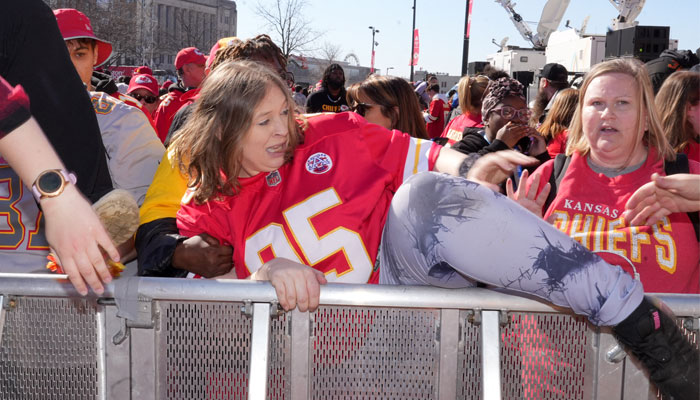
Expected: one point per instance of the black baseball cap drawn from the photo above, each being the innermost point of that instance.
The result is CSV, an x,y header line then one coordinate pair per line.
x,y
555,72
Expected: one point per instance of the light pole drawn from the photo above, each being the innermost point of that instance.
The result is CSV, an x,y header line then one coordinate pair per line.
x,y
413,39
387,69
374,30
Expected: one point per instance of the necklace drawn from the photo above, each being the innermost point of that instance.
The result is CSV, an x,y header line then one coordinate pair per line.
x,y
331,100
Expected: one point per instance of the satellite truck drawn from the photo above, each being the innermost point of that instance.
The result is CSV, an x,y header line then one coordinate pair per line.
x,y
574,48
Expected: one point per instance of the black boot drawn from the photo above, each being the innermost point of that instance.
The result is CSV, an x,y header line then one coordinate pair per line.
x,y
672,362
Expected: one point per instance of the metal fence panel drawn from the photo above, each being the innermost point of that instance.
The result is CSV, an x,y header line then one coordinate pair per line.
x,y
546,356
204,352
374,353
49,350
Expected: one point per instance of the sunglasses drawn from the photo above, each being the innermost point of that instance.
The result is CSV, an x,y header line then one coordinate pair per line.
x,y
147,99
510,113
361,108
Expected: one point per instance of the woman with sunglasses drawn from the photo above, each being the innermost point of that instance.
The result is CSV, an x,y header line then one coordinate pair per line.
x,y
388,101
144,88
505,116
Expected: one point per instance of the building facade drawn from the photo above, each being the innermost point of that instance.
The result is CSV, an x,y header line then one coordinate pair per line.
x,y
151,32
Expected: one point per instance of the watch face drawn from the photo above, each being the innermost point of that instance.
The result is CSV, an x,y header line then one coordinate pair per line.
x,y
50,182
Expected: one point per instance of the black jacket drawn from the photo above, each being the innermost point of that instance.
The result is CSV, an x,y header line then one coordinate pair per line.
x,y
102,82
473,141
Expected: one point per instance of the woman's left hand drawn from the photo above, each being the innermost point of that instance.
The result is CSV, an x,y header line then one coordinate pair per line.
x,y
493,168
529,198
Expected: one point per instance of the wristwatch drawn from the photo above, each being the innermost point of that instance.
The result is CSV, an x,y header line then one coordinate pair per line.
x,y
51,183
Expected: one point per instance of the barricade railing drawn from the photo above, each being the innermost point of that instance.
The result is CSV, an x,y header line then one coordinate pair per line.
x,y
156,338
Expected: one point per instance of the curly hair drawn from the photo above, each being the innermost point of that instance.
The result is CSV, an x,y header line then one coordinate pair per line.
x,y
259,48
327,74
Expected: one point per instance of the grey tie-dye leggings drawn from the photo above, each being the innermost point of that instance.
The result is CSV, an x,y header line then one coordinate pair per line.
x,y
449,232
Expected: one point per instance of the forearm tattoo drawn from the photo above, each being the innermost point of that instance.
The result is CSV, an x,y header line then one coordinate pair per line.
x,y
467,164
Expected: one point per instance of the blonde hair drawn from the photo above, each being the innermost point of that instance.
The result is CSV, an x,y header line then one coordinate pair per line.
x,y
559,117
653,136
211,141
470,91
677,92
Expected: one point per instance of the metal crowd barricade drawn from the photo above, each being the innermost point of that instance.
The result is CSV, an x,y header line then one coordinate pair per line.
x,y
154,338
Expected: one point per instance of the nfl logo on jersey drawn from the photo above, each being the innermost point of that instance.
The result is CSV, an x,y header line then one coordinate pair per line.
x,y
273,178
319,163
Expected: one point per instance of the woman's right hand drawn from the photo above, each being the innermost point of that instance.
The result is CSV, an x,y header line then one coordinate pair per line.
x,y
297,285
511,133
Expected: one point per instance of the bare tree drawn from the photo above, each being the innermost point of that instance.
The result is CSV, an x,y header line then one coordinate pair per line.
x,y
330,52
286,19
112,21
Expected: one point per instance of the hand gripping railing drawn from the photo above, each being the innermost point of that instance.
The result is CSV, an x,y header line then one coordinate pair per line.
x,y
490,309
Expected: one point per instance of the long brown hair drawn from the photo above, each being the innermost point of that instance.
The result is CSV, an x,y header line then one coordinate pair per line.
x,y
653,136
209,147
559,116
470,91
397,102
678,91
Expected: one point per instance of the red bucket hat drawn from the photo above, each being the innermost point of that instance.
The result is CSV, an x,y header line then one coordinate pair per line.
x,y
75,25
143,81
189,55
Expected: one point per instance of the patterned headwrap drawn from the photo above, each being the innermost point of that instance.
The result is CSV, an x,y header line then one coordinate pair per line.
x,y
498,90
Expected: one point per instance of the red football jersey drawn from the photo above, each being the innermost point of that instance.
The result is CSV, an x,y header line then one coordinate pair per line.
x,y
588,207
455,128
326,208
167,109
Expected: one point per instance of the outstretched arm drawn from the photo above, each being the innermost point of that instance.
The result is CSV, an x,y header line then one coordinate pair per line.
x,y
489,170
662,196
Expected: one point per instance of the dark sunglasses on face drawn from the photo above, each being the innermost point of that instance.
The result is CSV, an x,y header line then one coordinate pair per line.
x,y
361,108
147,99
510,113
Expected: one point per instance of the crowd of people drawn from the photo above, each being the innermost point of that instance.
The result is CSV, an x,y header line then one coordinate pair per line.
x,y
234,173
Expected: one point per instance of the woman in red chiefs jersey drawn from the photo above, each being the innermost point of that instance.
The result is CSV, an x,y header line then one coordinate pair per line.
x,y
678,102
388,101
616,143
470,91
309,202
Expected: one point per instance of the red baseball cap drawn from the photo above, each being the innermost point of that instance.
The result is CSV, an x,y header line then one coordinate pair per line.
x,y
189,55
75,25
143,81
166,84
220,44
144,69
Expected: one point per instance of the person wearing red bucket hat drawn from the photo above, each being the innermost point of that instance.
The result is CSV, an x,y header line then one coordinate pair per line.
x,y
189,64
144,88
74,25
132,147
